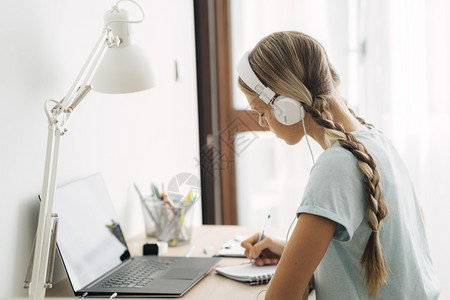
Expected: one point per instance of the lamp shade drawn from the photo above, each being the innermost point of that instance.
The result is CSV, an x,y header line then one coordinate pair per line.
x,y
125,67
123,70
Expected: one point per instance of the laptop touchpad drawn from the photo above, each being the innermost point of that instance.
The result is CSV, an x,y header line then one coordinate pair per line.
x,y
182,273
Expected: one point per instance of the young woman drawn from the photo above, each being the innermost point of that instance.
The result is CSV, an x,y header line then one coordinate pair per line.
x,y
360,230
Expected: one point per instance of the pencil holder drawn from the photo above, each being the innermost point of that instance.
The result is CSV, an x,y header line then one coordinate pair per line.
x,y
151,208
176,224
168,223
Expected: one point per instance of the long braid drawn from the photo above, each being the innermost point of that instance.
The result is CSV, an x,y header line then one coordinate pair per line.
x,y
373,260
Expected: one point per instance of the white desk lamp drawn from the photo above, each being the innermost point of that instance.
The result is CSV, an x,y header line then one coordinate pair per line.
x,y
115,65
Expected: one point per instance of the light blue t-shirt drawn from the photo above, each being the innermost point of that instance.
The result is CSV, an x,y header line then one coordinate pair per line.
x,y
336,191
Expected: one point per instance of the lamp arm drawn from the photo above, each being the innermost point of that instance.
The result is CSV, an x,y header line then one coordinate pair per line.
x,y
84,78
38,282
58,117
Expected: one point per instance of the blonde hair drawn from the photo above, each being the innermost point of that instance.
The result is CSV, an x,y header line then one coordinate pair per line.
x,y
295,65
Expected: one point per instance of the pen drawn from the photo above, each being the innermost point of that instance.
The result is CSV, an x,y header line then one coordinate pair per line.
x,y
264,229
156,192
166,201
149,211
261,236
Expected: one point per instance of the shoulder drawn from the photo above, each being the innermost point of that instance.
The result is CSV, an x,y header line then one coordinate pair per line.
x,y
335,152
336,191
336,161
336,174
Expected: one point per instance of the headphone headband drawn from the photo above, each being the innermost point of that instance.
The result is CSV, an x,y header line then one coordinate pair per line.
x,y
286,110
247,74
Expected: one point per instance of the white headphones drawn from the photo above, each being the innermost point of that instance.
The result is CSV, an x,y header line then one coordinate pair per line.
x,y
287,111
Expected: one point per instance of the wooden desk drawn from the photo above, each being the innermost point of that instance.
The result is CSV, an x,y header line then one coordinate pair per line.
x,y
209,238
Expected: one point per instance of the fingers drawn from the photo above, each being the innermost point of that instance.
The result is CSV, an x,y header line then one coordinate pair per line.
x,y
260,261
259,247
261,251
248,245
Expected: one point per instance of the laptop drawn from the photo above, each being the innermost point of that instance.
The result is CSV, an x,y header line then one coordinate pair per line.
x,y
95,255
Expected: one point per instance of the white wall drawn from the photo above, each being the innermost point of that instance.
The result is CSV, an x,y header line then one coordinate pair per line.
x,y
151,135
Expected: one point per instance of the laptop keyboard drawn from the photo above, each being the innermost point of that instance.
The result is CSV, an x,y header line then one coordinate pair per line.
x,y
138,273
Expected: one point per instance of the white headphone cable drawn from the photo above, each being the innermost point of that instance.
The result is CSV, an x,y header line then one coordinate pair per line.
x,y
313,161
307,141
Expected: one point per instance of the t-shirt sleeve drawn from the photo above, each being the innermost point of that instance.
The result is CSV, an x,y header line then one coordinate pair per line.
x,y
337,192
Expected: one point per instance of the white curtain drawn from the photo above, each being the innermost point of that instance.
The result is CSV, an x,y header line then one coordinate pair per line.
x,y
404,90
394,60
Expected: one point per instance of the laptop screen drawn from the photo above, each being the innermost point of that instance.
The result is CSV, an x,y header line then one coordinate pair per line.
x,y
89,238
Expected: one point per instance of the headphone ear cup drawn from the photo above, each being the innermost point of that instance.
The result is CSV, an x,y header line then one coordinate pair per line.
x,y
288,111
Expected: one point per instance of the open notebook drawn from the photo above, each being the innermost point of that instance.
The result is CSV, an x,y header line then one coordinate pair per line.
x,y
248,273
233,248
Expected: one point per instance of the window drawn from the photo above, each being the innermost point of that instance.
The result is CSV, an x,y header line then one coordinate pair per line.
x,y
270,175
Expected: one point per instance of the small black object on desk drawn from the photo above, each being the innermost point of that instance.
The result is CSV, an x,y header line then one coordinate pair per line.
x,y
150,249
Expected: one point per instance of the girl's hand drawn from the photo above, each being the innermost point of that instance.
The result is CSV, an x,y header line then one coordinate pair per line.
x,y
265,252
